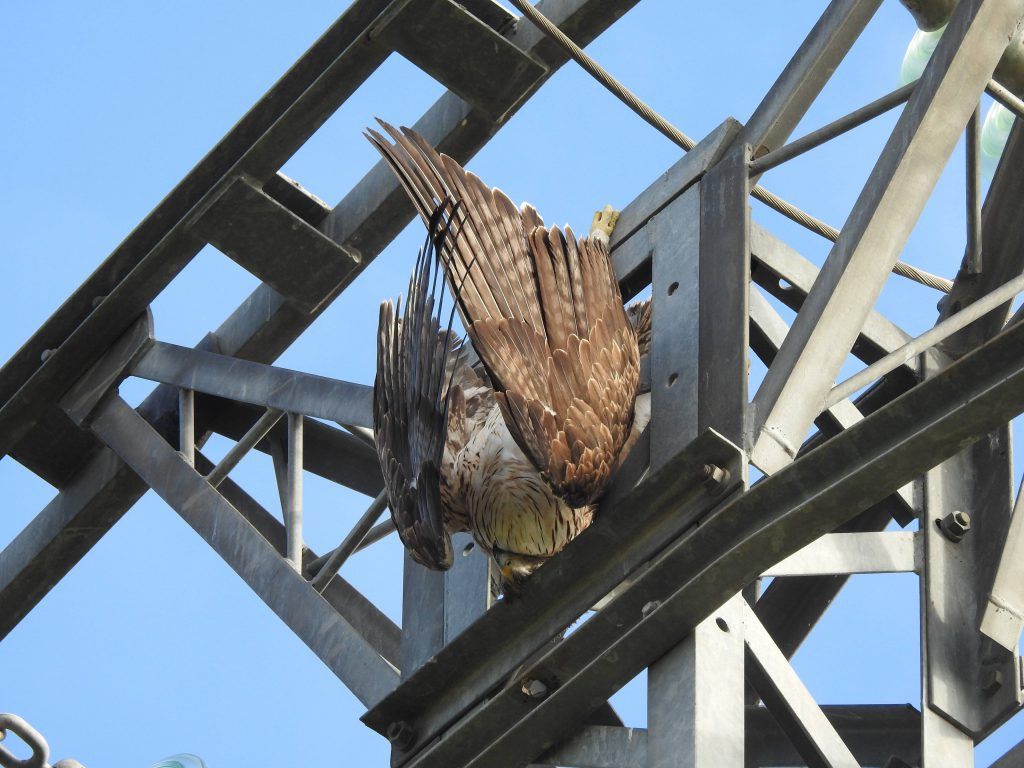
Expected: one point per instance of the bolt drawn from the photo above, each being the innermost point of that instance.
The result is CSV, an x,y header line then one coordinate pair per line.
x,y
534,689
714,478
97,300
955,525
401,734
46,355
991,681
649,608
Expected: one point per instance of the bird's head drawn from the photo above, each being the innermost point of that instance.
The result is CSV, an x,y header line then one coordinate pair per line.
x,y
514,567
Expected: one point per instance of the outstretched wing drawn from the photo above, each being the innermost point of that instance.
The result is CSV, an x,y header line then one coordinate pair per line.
x,y
543,311
416,358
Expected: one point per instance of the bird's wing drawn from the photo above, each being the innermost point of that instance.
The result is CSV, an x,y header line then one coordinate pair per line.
x,y
416,359
544,313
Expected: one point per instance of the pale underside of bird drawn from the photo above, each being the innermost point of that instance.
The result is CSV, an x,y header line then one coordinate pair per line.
x,y
519,447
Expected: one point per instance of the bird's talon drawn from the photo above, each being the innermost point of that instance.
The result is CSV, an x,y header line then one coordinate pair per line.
x,y
604,224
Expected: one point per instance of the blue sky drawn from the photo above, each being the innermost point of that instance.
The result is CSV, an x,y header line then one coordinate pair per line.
x,y
153,646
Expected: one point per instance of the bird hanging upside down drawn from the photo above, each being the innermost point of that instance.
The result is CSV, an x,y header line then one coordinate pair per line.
x,y
519,449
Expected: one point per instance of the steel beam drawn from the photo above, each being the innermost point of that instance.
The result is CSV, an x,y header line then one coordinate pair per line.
x,y
1003,616
327,633
806,74
848,553
266,239
1002,231
874,733
972,681
910,164
1014,758
257,384
380,631
789,701
476,62
707,564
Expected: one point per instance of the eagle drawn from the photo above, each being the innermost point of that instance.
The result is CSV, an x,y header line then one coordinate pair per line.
x,y
516,443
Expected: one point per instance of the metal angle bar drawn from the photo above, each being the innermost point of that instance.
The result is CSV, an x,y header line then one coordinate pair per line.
x,y
847,553
789,701
733,544
237,452
293,494
797,384
265,324
350,544
601,746
925,341
973,193
873,732
1004,97
828,132
340,646
257,384
380,631
825,46
1014,758
1002,232
1003,617
789,277
187,425
770,331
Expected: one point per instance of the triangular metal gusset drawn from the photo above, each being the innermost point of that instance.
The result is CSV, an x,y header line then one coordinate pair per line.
x,y
667,578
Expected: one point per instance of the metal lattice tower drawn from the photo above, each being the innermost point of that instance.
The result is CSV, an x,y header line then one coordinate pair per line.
x,y
673,561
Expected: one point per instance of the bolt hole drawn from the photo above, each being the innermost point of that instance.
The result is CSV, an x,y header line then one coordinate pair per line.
x,y
672,378
468,549
672,288
721,624
785,285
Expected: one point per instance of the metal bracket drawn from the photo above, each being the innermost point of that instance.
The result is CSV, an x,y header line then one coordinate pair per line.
x,y
471,49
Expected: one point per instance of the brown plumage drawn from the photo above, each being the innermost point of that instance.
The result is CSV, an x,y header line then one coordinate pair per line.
x,y
544,313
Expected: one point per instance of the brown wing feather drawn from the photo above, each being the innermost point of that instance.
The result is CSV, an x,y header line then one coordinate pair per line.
x,y
416,358
545,314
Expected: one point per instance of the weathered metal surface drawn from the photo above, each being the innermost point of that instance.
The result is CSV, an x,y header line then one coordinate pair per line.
x,y
1003,613
731,546
258,384
838,553
788,699
1002,232
972,681
380,631
277,246
910,164
475,61
695,706
327,633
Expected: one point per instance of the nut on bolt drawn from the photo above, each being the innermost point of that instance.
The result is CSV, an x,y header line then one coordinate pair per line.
x,y
714,477
955,525
534,689
401,734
